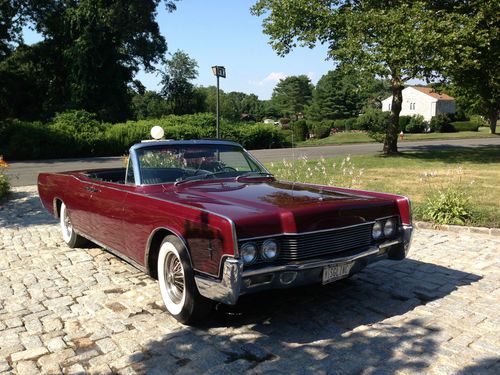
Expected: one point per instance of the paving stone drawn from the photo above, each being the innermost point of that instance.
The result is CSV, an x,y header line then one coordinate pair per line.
x,y
86,311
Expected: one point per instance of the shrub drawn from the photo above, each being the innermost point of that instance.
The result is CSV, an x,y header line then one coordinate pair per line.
x,y
416,124
320,129
4,181
441,124
375,122
403,123
478,120
448,206
461,126
300,130
346,124
261,136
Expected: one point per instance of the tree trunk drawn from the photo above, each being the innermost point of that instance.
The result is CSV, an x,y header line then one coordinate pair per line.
x,y
493,118
391,135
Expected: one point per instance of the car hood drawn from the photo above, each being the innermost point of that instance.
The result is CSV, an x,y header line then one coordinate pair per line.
x,y
266,206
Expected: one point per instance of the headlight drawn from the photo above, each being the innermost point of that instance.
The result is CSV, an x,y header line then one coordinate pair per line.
x,y
249,252
390,227
377,230
270,249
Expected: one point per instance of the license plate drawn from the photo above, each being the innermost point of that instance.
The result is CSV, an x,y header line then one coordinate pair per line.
x,y
336,271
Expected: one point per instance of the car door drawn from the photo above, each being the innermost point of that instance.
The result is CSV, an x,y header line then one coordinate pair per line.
x,y
105,208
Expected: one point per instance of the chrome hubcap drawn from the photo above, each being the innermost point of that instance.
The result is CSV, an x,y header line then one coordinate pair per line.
x,y
174,278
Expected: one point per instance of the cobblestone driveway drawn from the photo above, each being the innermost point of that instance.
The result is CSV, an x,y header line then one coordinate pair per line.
x,y
85,311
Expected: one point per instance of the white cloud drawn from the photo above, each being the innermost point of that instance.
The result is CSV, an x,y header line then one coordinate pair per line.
x,y
271,77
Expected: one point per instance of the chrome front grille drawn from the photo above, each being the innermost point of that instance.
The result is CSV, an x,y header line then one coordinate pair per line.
x,y
317,244
304,246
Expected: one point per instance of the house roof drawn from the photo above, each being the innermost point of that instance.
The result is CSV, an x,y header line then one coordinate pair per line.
x,y
431,92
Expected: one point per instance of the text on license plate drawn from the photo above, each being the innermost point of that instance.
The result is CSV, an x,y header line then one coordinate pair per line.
x,y
336,271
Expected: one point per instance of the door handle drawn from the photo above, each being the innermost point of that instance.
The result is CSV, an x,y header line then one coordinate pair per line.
x,y
91,189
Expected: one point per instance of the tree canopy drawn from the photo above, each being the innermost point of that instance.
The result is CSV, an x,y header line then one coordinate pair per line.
x,y
88,56
292,94
396,40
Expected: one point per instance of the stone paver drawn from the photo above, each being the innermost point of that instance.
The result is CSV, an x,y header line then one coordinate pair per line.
x,y
86,311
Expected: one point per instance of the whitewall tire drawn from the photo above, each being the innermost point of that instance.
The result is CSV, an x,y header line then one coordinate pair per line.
x,y
68,232
177,286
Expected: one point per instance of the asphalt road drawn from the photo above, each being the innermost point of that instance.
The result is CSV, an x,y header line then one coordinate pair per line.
x,y
23,173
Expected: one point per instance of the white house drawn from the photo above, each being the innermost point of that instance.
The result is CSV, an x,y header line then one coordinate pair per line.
x,y
422,101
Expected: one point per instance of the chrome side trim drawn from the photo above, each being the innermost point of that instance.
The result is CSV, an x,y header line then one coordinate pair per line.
x,y
226,290
311,264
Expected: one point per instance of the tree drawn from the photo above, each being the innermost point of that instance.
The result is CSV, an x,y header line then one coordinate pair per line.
x,y
475,71
396,40
11,21
292,94
92,50
343,93
177,88
149,105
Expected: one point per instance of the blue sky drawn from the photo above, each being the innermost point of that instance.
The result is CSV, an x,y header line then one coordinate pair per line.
x,y
223,32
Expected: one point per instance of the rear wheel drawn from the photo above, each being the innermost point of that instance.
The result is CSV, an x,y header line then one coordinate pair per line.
x,y
68,233
177,285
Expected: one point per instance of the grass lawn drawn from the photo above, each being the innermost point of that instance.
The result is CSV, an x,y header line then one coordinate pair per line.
x,y
345,138
415,174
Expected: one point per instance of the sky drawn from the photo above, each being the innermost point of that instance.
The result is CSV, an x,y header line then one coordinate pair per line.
x,y
223,32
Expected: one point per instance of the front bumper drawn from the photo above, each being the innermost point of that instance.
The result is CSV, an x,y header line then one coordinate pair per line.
x,y
236,281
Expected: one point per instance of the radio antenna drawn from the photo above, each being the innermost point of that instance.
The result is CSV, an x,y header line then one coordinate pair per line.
x,y
293,160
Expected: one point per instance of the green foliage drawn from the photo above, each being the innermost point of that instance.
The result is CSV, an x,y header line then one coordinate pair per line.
x,y
4,181
403,122
292,94
462,126
478,120
375,122
89,54
399,41
320,129
416,124
441,124
450,205
177,88
300,130
149,105
79,133
347,124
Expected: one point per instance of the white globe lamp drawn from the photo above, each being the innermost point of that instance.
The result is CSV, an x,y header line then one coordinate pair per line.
x,y
157,132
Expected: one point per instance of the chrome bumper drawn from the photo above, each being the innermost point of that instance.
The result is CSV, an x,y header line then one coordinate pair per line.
x,y
232,284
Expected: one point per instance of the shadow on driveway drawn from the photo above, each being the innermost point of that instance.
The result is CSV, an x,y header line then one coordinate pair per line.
x,y
340,328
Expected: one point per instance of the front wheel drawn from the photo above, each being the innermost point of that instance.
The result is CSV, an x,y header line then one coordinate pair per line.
x,y
68,232
177,285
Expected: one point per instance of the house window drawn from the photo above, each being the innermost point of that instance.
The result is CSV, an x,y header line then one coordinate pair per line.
x,y
390,105
412,106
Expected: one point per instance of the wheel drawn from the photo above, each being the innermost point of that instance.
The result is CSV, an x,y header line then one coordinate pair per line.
x,y
177,285
68,233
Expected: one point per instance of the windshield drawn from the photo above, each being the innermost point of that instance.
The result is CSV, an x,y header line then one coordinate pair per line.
x,y
177,163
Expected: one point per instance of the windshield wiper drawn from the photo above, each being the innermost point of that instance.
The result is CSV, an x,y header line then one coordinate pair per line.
x,y
254,174
198,177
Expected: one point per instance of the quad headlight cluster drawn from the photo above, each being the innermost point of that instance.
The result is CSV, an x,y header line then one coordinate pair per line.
x,y
384,228
250,251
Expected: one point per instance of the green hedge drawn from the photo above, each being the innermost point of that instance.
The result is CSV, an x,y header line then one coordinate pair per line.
x,y
80,134
463,126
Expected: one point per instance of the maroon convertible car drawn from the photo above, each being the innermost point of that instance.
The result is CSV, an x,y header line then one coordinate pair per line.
x,y
211,223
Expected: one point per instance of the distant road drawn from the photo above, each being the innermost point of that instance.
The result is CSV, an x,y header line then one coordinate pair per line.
x,y
24,173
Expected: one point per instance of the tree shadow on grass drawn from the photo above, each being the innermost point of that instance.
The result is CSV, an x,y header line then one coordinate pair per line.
x,y
342,328
454,154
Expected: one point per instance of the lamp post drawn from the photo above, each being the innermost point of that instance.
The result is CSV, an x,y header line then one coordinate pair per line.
x,y
219,71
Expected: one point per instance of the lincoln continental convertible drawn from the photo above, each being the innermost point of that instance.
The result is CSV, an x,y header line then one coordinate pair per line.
x,y
211,223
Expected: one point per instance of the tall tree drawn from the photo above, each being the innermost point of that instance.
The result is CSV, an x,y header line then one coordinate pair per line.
x,y
292,94
396,40
177,88
12,15
343,93
474,67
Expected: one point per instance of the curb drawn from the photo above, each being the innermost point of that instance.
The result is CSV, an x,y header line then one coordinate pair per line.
x,y
457,228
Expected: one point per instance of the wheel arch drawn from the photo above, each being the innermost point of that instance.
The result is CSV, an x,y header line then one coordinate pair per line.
x,y
56,204
153,249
